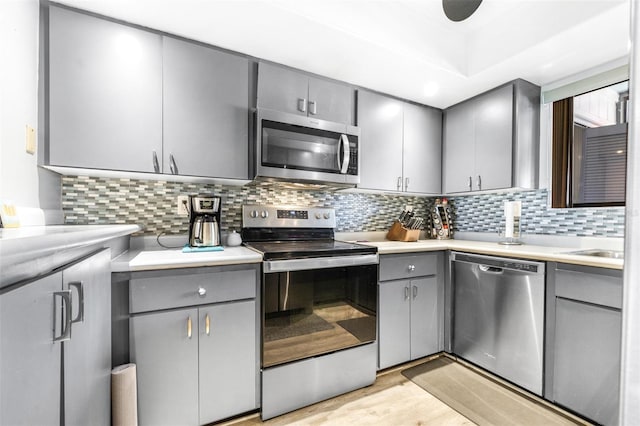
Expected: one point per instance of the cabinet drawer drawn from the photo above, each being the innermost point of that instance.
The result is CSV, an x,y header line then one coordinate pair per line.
x,y
176,290
393,267
604,287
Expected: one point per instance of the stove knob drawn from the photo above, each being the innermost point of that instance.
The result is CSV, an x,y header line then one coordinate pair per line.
x,y
318,216
327,215
264,214
254,214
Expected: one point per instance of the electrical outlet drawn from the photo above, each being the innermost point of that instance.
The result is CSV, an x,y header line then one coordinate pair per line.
x,y
183,201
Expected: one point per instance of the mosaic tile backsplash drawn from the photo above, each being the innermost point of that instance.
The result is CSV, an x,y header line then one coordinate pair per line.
x,y
152,204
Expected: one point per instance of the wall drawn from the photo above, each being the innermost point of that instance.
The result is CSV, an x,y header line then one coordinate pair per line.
x,y
18,99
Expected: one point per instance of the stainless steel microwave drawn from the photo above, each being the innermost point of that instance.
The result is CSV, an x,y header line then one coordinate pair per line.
x,y
298,148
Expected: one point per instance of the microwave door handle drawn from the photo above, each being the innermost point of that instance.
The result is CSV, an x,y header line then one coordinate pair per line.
x,y
346,154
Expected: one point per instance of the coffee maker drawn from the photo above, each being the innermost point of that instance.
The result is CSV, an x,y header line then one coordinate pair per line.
x,y
204,221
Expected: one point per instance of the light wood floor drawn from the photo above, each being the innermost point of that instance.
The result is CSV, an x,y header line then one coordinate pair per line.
x,y
392,400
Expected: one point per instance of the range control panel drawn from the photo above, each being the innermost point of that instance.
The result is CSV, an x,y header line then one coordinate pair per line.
x,y
259,216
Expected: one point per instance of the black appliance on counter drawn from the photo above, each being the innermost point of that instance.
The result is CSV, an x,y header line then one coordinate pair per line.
x,y
319,302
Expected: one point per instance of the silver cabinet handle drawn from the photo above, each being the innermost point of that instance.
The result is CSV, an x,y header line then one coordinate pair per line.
x,y
470,183
156,165
406,184
65,296
479,183
207,324
80,289
313,110
302,105
172,165
406,293
189,327
415,291
202,292
412,268
399,185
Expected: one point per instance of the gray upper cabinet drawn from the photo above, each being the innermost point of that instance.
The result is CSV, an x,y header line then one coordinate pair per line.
x,y
401,145
105,94
286,90
205,111
491,141
380,120
422,149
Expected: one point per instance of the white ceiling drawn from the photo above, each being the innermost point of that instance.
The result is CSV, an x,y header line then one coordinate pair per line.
x,y
406,48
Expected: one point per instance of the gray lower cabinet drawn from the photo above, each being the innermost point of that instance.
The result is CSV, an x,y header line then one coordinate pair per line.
x,y
193,338
66,312
103,115
400,144
410,309
205,110
584,355
491,141
287,90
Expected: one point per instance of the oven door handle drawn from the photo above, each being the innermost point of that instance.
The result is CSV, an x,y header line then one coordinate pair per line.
x,y
270,266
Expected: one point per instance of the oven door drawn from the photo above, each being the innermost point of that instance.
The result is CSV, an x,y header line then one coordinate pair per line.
x,y
317,310
302,148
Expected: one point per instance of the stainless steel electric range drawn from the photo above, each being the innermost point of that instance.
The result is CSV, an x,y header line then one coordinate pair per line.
x,y
319,302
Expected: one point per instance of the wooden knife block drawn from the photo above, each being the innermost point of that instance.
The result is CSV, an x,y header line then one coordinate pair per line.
x,y
399,233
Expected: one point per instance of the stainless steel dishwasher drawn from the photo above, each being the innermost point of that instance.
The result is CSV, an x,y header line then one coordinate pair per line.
x,y
498,316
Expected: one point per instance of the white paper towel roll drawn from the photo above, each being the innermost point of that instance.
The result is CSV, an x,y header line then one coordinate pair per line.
x,y
124,396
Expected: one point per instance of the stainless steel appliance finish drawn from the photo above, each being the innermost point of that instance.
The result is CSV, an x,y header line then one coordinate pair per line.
x,y
204,220
294,147
498,316
319,304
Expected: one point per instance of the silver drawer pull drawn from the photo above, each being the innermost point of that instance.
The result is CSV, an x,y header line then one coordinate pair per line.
x,y
80,289
412,268
65,305
415,291
202,292
406,293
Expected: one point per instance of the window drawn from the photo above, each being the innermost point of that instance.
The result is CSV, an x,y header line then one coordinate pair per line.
x,y
590,148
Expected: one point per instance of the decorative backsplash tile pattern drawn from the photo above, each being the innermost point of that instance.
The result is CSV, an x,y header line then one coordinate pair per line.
x,y
152,204
484,213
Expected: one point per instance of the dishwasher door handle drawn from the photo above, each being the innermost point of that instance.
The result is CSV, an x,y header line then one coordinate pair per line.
x,y
490,269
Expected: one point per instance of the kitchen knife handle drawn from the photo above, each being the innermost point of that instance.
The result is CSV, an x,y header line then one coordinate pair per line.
x,y
189,327
80,289
154,159
207,324
302,105
172,165
65,295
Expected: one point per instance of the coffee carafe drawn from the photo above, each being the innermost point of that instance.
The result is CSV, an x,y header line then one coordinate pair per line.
x,y
204,221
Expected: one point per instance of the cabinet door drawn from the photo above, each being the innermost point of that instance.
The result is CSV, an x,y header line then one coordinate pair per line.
x,y
30,361
333,101
459,148
105,94
205,111
380,121
282,89
394,323
587,359
166,358
228,362
87,356
494,139
422,149
424,317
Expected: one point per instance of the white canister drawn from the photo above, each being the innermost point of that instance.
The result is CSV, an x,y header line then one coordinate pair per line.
x,y
234,239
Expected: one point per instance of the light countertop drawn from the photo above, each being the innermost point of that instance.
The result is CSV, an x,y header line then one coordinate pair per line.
x,y
30,251
143,260
525,251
